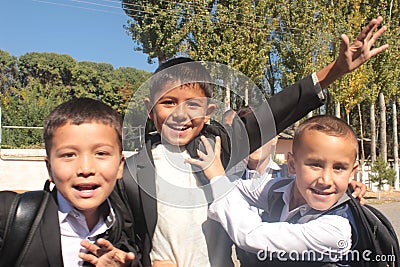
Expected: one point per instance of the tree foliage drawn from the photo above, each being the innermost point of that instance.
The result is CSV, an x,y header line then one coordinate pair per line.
x,y
33,84
381,173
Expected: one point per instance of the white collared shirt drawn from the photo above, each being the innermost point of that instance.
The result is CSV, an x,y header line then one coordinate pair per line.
x,y
250,233
74,229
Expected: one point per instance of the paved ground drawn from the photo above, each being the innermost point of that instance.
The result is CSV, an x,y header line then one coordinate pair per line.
x,y
389,204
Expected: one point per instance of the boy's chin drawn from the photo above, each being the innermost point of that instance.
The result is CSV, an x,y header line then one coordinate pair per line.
x,y
323,206
178,142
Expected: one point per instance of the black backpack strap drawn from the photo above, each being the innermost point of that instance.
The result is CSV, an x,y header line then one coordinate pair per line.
x,y
23,220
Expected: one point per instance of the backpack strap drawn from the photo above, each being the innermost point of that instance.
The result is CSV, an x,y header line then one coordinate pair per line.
x,y
275,201
23,219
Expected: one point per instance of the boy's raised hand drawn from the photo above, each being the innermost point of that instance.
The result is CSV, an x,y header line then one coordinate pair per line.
x,y
360,50
106,255
353,55
210,163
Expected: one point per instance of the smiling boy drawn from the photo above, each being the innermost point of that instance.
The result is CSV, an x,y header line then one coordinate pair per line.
x,y
84,222
305,215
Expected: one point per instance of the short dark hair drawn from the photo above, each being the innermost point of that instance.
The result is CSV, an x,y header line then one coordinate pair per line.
x,y
327,124
183,69
78,111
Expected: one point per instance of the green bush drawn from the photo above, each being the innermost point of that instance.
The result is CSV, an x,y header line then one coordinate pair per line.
x,y
382,173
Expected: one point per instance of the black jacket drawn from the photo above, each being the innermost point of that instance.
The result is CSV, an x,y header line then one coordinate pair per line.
x,y
45,249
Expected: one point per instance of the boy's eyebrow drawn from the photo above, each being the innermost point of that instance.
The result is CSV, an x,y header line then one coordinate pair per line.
x,y
199,98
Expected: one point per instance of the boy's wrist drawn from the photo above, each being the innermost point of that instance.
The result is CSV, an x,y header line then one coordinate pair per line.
x,y
329,74
317,86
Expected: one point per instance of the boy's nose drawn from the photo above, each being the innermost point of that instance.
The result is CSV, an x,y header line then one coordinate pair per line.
x,y
326,178
179,112
85,167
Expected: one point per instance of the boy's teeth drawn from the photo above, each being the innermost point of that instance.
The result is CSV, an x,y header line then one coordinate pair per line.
x,y
179,128
85,188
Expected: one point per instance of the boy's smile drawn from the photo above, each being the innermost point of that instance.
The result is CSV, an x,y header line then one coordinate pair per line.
x,y
324,166
179,114
84,163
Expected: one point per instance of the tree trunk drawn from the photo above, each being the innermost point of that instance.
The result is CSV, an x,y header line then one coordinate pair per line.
x,y
337,109
227,99
382,128
348,117
362,152
373,133
395,146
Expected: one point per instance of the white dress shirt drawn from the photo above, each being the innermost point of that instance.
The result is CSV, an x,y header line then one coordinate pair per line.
x,y
325,235
74,229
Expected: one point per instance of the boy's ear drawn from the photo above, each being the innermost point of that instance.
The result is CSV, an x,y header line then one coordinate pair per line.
x,y
48,166
354,171
149,107
210,111
291,163
121,167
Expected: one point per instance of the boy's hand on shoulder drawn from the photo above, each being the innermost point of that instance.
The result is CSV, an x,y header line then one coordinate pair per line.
x,y
105,254
210,163
359,191
166,263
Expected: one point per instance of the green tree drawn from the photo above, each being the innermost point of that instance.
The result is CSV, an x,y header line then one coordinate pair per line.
x,y
48,79
381,173
48,68
9,75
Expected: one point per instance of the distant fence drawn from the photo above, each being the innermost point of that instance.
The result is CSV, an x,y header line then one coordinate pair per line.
x,y
132,140
13,136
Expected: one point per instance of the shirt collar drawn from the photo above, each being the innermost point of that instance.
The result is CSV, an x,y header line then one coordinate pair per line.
x,y
65,208
287,197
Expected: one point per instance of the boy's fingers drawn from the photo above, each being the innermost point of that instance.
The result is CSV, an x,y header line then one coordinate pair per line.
x,y
200,154
90,246
217,149
367,30
105,244
98,250
130,256
207,144
193,161
89,258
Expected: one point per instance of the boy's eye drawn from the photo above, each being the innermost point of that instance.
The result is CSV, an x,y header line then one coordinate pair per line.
x,y
67,155
339,167
102,153
167,102
315,164
193,104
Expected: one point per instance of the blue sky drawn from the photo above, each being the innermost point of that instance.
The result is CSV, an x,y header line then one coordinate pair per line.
x,y
90,30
